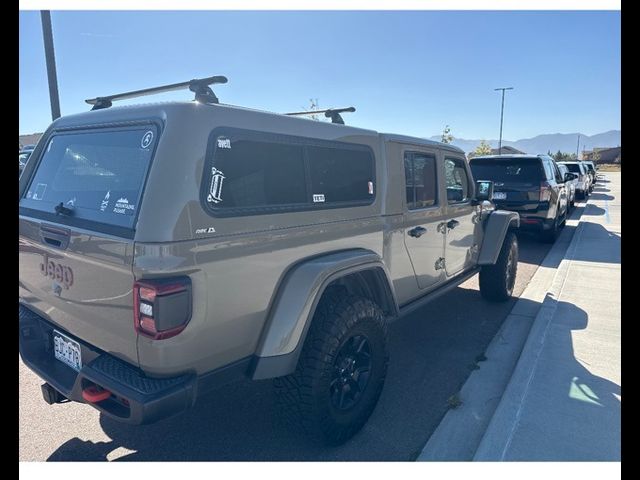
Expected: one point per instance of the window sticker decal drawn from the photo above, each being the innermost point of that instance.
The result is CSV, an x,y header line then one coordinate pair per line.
x,y
123,206
38,193
215,189
318,197
205,230
147,138
224,142
105,202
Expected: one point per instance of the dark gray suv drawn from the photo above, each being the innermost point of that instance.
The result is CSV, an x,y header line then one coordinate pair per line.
x,y
531,185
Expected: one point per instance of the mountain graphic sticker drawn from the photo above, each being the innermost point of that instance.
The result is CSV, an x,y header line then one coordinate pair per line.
x,y
123,206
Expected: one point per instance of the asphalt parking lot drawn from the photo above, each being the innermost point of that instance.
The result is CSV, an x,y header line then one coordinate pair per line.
x,y
432,350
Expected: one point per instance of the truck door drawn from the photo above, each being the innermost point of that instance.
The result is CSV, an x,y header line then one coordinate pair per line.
x,y
459,216
423,213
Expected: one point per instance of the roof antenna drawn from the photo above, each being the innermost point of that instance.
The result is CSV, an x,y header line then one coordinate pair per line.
x,y
332,113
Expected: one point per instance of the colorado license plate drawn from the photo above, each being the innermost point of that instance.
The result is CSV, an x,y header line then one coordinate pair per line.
x,y
67,350
499,195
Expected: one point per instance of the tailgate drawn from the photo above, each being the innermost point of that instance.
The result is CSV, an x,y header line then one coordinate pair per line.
x,y
517,192
78,212
515,179
85,288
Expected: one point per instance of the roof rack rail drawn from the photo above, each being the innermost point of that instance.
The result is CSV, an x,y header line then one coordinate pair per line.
x,y
332,113
200,86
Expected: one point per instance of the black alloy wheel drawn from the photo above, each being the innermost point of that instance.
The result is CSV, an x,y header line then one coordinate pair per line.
x,y
351,371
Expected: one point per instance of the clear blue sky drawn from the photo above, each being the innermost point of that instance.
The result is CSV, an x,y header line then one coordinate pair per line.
x,y
405,72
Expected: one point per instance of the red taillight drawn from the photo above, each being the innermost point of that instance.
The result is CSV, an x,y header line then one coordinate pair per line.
x,y
545,191
148,294
161,308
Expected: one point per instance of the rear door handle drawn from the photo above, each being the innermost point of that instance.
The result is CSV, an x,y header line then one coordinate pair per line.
x,y
54,237
417,232
451,224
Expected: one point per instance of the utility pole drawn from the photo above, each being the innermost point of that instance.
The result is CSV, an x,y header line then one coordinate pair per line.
x,y
47,34
578,147
501,116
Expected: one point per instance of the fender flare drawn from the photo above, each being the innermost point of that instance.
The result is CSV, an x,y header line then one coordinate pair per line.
x,y
495,230
295,303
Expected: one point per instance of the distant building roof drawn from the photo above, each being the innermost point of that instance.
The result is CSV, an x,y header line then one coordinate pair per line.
x,y
30,139
606,154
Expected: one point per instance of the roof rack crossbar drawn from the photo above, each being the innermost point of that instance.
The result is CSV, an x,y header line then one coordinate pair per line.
x,y
332,113
200,86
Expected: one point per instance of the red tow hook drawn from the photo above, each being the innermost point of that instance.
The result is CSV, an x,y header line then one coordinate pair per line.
x,y
95,394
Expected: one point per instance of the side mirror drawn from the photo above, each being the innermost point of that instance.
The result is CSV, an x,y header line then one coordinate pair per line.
x,y
569,176
484,190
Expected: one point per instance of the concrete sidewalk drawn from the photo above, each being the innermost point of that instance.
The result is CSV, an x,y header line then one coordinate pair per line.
x,y
562,402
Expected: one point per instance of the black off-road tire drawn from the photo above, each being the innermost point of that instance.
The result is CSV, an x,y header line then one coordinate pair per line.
x,y
563,223
497,281
305,396
551,235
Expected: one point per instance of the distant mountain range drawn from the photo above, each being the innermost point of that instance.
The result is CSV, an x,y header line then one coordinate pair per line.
x,y
565,142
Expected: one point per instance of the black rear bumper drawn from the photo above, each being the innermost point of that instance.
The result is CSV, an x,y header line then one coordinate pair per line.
x,y
536,224
135,398
534,216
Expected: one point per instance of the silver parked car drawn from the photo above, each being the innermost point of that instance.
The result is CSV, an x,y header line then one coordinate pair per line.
x,y
591,168
570,182
583,182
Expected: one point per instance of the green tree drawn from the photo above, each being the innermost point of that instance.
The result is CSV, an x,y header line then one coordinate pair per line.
x,y
446,135
483,149
563,157
595,156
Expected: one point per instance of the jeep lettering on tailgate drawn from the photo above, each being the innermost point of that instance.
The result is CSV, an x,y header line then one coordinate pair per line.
x,y
58,272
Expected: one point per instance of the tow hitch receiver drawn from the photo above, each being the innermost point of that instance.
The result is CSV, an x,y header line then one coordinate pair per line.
x,y
51,395
95,394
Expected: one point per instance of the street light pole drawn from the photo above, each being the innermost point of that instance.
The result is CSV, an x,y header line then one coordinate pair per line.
x,y
47,34
501,116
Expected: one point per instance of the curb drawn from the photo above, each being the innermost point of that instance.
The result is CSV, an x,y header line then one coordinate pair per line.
x,y
462,430
497,438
